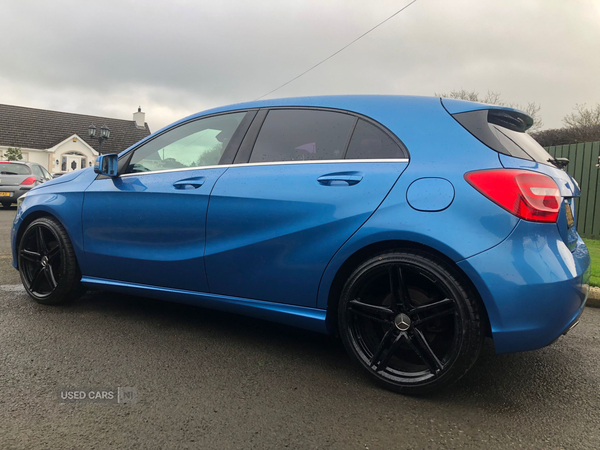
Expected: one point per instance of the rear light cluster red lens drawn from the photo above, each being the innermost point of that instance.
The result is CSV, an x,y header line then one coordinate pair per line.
x,y
29,181
528,195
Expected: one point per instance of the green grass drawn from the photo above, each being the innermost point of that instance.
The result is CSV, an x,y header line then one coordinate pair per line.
x,y
594,248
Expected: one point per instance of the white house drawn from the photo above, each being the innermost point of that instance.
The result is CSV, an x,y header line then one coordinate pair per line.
x,y
60,141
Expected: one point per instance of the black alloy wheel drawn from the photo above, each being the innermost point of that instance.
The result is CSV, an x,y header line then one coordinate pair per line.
x,y
407,319
47,263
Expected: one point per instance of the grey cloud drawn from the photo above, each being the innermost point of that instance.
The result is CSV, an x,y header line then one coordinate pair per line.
x,y
178,57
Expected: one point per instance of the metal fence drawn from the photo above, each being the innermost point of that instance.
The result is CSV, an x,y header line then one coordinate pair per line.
x,y
582,166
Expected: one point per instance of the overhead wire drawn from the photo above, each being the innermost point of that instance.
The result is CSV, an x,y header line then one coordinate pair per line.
x,y
339,51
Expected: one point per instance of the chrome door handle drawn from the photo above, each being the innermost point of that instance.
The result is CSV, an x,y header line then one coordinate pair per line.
x,y
189,183
337,179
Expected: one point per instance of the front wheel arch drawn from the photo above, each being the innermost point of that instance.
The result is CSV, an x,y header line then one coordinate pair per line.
x,y
27,220
48,265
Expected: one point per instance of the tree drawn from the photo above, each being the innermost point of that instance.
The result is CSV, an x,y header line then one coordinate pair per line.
x,y
583,125
13,154
494,98
211,157
583,117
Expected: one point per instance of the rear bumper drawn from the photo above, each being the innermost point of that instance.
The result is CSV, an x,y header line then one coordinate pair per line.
x,y
14,191
534,288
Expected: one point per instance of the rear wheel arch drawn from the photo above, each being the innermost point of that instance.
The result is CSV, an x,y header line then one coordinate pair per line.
x,y
377,248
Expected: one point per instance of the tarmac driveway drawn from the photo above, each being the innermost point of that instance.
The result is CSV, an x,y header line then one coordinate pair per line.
x,y
205,379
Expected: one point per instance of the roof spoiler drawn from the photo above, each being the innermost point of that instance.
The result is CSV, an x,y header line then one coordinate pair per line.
x,y
510,118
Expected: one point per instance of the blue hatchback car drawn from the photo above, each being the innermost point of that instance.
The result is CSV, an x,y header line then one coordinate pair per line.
x,y
411,226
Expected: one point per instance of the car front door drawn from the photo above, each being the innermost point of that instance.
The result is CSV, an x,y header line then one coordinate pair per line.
x,y
275,222
147,225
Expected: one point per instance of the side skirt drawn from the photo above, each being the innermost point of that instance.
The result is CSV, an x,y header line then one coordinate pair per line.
x,y
298,316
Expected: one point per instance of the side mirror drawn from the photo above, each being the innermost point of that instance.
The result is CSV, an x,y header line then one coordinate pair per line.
x,y
107,165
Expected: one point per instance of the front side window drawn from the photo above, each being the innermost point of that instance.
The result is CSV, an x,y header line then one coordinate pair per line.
x,y
369,142
195,144
302,135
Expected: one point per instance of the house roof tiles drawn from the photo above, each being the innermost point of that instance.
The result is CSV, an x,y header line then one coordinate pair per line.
x,y
43,129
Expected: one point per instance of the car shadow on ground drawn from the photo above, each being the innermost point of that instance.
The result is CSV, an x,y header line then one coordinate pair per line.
x,y
501,384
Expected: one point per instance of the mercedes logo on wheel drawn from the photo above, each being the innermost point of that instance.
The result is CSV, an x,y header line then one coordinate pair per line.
x,y
402,322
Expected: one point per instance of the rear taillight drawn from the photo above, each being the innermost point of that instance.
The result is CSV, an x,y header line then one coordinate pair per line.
x,y
29,181
528,195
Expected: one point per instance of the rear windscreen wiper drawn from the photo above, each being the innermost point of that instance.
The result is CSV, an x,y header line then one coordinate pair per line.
x,y
561,163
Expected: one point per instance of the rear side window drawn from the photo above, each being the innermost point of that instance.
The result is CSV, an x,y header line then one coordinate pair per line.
x,y
14,169
370,142
37,171
302,135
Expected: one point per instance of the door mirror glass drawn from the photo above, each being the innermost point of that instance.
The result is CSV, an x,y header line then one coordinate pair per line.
x,y
107,165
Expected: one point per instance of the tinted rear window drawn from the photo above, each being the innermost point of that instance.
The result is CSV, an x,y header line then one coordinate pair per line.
x,y
302,135
370,142
504,132
527,144
14,169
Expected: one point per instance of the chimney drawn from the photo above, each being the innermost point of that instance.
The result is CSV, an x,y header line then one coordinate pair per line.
x,y
139,118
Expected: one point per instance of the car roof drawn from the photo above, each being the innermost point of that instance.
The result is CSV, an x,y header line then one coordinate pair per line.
x,y
25,163
352,103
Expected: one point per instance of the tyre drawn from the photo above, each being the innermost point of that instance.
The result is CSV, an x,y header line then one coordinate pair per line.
x,y
47,263
6,205
408,319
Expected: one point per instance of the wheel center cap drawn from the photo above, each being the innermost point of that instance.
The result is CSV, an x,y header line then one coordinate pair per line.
x,y
402,322
44,261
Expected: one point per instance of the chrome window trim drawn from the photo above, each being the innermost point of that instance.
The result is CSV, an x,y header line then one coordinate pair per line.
x,y
275,163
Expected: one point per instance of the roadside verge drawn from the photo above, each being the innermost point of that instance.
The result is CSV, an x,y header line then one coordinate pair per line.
x,y
594,298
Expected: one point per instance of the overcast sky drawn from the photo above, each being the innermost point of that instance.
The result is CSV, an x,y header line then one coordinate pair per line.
x,y
179,57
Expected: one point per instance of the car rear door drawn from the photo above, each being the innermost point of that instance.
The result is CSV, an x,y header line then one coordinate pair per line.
x,y
277,218
147,226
